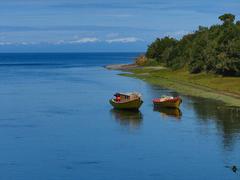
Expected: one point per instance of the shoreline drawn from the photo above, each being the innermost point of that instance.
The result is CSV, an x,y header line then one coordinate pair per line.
x,y
121,66
161,76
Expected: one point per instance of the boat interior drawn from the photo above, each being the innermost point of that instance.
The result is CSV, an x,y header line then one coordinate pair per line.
x,y
125,97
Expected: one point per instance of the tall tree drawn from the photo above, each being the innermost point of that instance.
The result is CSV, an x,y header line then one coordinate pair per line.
x,y
227,18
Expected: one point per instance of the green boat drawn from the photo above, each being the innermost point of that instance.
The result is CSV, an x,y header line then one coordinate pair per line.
x,y
126,101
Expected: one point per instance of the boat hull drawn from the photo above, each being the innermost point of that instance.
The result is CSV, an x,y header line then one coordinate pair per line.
x,y
172,103
133,104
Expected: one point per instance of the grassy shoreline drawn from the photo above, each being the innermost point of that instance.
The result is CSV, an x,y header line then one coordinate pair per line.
x,y
225,89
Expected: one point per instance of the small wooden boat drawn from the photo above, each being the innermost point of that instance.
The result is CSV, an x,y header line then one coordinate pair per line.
x,y
167,101
126,101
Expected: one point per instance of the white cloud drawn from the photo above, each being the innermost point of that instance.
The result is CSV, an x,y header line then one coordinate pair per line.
x,y
8,43
76,40
179,33
26,43
111,38
5,43
123,40
84,40
59,42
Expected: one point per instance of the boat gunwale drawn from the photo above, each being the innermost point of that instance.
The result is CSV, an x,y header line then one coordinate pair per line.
x,y
157,100
128,101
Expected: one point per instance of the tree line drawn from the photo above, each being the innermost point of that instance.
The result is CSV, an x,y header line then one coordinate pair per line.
x,y
213,49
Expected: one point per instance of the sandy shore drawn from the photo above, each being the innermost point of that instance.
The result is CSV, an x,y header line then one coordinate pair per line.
x,y
121,66
125,67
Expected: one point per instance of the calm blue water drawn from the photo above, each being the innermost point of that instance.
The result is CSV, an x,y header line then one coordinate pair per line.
x,y
56,124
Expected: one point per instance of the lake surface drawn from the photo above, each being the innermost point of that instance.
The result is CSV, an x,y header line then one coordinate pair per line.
x,y
56,124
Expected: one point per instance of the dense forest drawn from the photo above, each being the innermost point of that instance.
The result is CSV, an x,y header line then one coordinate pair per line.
x,y
214,49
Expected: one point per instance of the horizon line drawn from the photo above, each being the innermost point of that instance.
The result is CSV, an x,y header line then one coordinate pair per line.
x,y
74,52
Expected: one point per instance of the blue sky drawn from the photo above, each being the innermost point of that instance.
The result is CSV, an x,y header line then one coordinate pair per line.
x,y
101,26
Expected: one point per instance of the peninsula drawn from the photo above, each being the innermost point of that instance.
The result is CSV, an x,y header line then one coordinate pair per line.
x,y
205,63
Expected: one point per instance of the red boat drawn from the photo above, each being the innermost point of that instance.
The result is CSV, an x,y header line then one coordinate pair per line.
x,y
167,101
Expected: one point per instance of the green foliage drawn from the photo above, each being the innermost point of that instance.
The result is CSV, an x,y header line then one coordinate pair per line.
x,y
157,48
215,49
227,18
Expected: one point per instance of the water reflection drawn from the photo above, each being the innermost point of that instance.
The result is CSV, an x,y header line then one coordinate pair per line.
x,y
171,112
131,119
226,119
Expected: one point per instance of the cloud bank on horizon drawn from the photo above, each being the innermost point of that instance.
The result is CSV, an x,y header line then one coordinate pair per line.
x,y
109,25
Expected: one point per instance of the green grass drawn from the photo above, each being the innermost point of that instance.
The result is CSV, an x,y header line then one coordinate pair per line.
x,y
226,89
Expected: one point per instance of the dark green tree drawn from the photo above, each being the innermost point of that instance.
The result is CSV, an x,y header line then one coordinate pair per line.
x,y
156,49
227,18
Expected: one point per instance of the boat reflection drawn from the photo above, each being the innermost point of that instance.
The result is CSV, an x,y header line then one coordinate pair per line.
x,y
129,118
171,112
